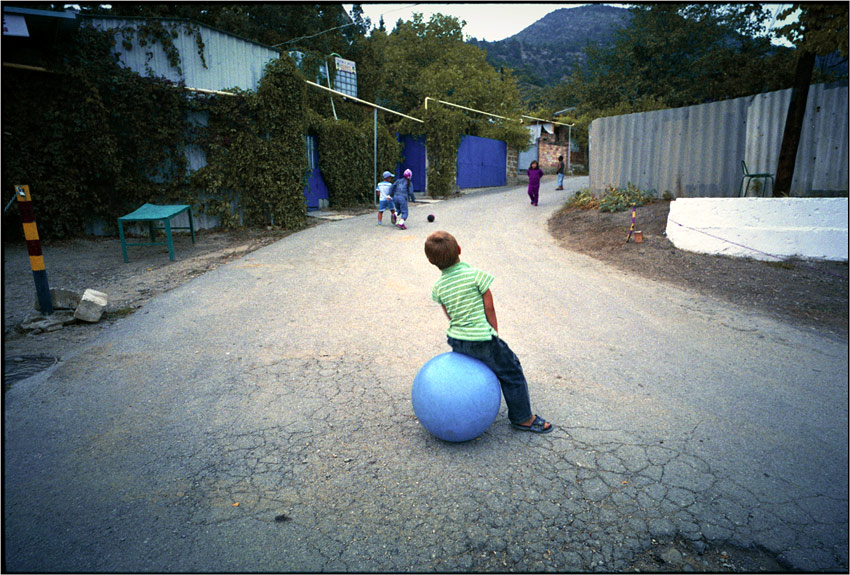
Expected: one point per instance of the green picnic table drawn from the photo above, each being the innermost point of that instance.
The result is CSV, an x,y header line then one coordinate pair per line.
x,y
152,213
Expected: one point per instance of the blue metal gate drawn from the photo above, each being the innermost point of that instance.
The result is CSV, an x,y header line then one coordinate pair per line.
x,y
316,189
414,158
481,162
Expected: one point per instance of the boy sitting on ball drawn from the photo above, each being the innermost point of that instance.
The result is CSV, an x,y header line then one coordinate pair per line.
x,y
464,293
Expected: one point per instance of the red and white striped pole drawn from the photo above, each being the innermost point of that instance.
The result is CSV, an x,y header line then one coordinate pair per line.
x,y
39,274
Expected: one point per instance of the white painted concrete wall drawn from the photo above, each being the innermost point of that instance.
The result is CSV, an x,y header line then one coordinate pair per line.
x,y
810,228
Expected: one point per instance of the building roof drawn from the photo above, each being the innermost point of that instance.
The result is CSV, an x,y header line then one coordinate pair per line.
x,y
173,19
45,23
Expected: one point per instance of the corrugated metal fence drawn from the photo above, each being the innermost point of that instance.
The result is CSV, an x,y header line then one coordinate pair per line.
x,y
697,151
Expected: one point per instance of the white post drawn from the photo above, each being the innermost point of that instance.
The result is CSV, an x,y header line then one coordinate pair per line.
x,y
328,70
375,155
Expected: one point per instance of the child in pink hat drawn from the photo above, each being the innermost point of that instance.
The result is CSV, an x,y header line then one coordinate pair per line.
x,y
401,191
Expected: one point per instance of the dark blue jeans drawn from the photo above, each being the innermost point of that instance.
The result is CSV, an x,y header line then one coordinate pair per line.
x,y
505,364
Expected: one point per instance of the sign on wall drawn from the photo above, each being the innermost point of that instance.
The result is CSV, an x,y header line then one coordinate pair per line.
x,y
346,77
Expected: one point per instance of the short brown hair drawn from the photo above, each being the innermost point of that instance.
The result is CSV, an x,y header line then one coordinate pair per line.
x,y
442,250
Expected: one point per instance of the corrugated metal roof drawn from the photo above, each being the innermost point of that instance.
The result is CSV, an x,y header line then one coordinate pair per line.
x,y
231,61
697,151
172,19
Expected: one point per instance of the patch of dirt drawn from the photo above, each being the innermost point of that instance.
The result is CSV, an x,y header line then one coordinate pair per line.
x,y
97,263
811,295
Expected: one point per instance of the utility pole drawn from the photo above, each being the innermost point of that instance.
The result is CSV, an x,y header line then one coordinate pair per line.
x,y
794,124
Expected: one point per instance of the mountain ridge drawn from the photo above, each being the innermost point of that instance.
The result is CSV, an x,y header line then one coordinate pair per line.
x,y
547,51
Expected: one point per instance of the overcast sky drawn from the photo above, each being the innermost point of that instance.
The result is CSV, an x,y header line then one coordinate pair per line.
x,y
490,22
483,21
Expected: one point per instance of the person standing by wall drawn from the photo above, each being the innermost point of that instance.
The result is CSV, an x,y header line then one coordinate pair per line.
x,y
560,173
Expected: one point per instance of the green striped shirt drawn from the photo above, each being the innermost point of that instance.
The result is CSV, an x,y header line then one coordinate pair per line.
x,y
460,289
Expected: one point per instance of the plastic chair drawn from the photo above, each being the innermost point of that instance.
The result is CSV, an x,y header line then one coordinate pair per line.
x,y
748,178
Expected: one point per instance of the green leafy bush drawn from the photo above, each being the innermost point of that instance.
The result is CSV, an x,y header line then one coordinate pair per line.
x,y
443,131
256,156
616,200
94,140
347,157
91,139
613,199
584,199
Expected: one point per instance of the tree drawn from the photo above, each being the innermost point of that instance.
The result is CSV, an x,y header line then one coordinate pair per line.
x,y
430,59
819,29
673,55
679,55
363,24
420,60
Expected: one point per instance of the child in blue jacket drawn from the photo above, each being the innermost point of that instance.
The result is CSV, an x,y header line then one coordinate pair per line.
x,y
402,190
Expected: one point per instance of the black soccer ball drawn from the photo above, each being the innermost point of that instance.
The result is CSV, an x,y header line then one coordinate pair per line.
x,y
430,217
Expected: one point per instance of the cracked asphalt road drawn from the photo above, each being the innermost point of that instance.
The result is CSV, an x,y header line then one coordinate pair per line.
x,y
258,418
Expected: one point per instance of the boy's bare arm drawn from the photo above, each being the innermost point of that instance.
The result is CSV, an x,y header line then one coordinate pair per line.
x,y
490,309
445,311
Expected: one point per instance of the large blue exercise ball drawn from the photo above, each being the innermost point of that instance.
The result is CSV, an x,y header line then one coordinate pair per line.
x,y
456,397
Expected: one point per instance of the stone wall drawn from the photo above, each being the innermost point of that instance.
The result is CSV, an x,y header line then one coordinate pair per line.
x,y
511,167
547,154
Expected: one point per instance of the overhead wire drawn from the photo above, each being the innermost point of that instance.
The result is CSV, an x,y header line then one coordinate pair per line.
x,y
337,27
313,35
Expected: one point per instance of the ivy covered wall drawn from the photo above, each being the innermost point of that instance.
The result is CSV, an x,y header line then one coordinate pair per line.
x,y
95,140
91,139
